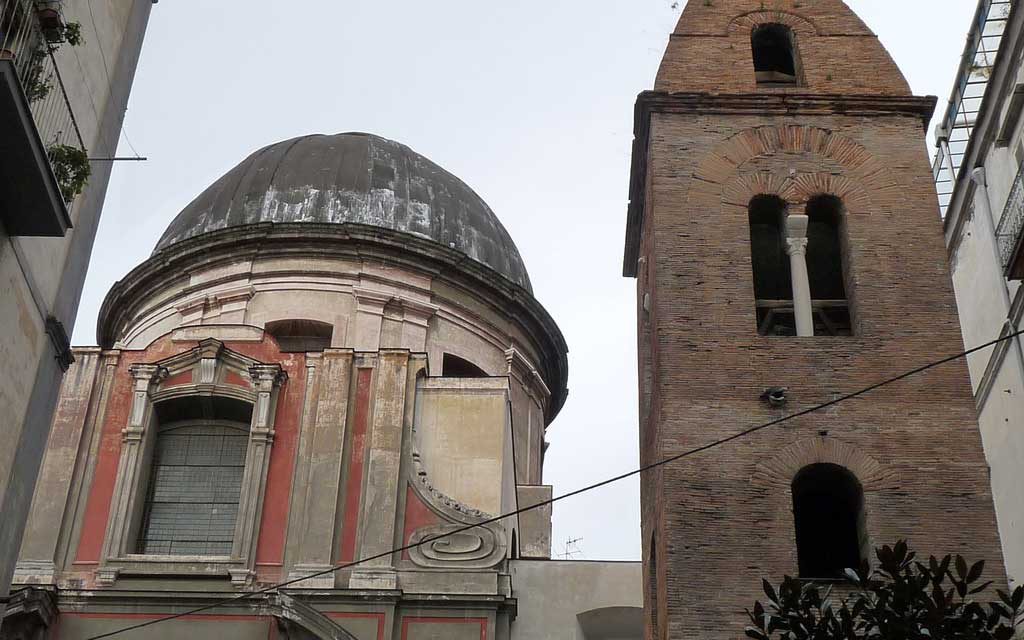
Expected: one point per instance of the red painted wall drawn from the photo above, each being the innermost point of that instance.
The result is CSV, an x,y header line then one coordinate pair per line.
x,y
417,515
354,482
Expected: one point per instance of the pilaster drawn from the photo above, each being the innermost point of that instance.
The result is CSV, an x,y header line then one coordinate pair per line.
x,y
320,475
37,560
380,501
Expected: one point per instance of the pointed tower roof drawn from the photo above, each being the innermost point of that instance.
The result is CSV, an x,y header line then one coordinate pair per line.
x,y
710,50
766,59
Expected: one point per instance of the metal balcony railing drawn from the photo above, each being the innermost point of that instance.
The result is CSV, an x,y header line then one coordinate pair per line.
x,y
31,31
957,125
1011,224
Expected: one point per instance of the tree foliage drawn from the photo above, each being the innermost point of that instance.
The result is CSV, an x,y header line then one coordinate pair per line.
x,y
902,599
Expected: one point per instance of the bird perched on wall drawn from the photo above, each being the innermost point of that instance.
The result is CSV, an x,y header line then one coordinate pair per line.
x,y
775,396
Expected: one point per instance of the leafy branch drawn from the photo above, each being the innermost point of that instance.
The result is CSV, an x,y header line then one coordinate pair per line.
x,y
903,599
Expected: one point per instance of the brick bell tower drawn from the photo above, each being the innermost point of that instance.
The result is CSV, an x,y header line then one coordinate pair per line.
x,y
784,232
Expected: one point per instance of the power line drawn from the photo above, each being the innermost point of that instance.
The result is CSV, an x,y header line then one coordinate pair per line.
x,y
571,494
106,72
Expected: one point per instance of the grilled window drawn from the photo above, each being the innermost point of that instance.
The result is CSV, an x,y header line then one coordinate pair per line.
x,y
193,493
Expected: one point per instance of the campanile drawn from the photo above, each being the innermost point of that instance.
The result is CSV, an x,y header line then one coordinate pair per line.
x,y
784,234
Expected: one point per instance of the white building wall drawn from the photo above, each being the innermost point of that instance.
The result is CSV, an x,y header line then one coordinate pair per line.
x,y
41,277
987,301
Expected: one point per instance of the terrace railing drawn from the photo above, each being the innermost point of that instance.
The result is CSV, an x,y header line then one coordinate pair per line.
x,y
31,32
1011,224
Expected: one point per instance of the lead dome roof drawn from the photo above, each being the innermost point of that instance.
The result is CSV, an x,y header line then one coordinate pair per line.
x,y
352,178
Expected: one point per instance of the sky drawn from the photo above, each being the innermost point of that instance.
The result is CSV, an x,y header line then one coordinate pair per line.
x,y
530,102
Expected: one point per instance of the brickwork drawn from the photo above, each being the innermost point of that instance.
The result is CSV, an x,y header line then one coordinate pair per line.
x,y
840,55
724,520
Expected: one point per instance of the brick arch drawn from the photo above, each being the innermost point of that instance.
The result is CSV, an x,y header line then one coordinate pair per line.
x,y
795,190
864,175
747,22
778,470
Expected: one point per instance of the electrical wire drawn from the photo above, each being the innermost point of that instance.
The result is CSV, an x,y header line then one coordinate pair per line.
x,y
592,487
106,72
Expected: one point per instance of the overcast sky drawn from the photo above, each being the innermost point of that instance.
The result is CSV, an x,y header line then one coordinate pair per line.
x,y
530,102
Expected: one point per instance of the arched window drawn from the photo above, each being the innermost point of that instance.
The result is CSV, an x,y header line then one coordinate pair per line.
x,y
456,367
195,479
301,336
773,284
825,265
775,59
828,508
773,279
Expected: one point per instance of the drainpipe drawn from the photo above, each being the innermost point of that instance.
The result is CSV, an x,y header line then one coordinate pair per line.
x,y
796,248
983,216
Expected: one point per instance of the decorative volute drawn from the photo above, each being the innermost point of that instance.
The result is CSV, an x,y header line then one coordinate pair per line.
x,y
710,49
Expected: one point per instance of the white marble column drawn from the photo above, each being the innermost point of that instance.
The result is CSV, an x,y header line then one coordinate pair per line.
x,y
796,248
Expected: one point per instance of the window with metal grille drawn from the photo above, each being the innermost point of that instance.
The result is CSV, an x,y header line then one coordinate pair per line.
x,y
194,487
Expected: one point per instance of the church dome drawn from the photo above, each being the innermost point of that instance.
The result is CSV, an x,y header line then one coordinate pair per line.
x,y
352,178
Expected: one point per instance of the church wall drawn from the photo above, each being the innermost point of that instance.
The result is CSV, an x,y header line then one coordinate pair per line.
x,y
340,472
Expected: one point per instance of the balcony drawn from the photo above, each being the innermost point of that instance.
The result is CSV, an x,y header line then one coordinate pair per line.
x,y
43,161
1010,232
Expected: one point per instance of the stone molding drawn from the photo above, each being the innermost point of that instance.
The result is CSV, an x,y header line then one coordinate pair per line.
x,y
209,362
481,547
145,290
778,470
445,505
522,371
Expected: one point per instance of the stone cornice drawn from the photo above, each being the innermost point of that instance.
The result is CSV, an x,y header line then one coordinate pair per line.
x,y
345,241
756,104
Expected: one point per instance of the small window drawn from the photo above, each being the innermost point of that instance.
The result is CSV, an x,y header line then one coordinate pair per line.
x,y
195,479
456,367
775,61
301,336
828,509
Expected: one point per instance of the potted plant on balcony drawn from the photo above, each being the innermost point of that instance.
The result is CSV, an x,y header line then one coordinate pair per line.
x,y
71,168
50,21
37,80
